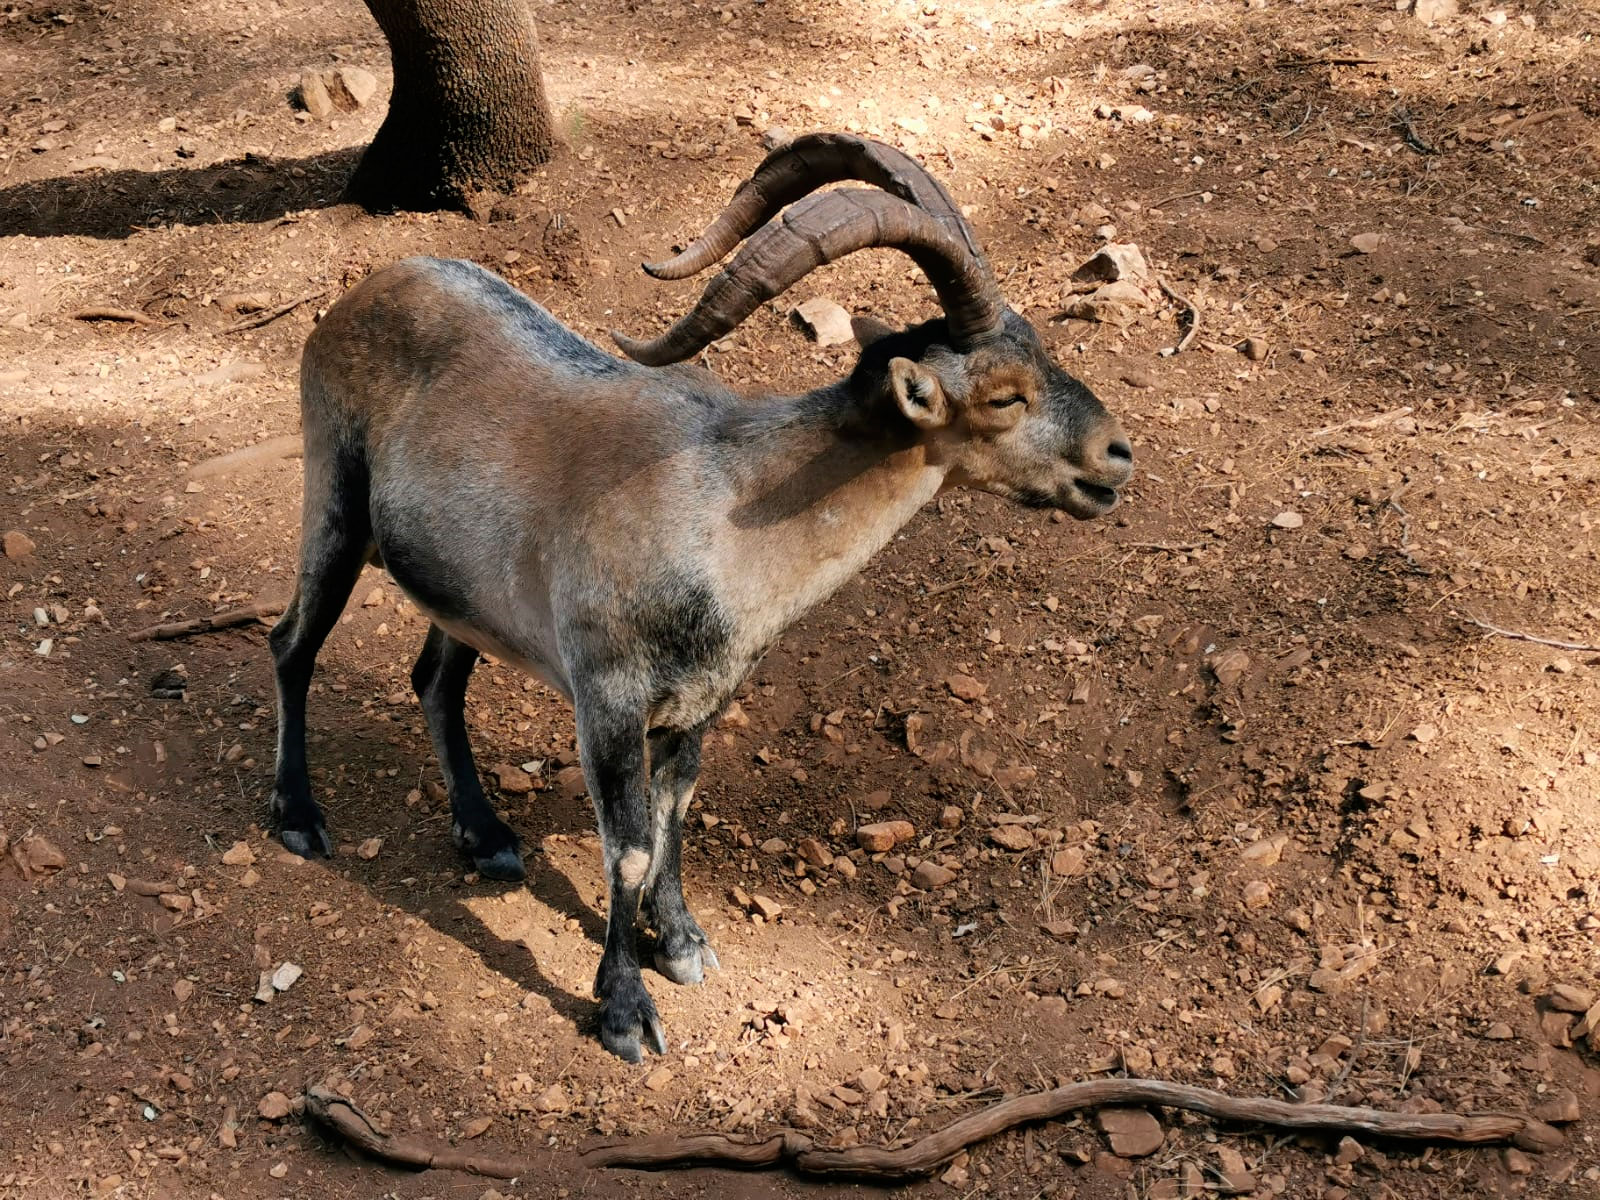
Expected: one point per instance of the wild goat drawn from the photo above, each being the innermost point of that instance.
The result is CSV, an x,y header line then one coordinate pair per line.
x,y
638,535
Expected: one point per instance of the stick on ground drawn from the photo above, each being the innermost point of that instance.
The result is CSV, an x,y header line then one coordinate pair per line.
x,y
222,620
1531,637
272,314
885,1164
99,312
1194,315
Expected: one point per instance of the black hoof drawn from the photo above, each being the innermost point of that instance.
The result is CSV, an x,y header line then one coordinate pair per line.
x,y
307,843
628,1022
505,863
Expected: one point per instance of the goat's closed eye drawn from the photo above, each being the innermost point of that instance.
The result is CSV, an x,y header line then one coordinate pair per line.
x,y
1008,401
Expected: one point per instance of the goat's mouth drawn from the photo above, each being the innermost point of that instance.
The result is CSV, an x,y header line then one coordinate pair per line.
x,y
1086,500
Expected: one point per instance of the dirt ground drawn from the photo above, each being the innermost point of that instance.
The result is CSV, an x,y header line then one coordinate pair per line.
x,y
1250,794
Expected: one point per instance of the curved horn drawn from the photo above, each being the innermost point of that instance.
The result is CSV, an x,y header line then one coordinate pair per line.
x,y
819,230
800,168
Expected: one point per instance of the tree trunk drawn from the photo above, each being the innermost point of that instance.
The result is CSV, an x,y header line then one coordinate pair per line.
x,y
468,110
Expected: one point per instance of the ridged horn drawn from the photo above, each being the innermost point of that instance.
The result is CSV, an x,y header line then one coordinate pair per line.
x,y
800,168
818,230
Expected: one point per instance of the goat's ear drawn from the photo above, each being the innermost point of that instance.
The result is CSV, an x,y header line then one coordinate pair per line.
x,y
919,394
869,330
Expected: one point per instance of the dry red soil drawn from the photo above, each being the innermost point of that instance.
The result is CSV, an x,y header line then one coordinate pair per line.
x,y
1249,794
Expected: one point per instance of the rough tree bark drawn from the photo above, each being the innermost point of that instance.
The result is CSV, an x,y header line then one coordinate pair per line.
x,y
468,110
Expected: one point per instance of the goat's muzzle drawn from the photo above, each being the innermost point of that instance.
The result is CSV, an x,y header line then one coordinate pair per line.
x,y
1104,463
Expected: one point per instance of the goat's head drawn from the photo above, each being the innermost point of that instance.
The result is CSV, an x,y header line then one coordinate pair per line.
x,y
977,386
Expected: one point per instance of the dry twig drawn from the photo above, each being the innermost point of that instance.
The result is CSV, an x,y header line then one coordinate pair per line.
x,y
99,312
1408,132
272,314
222,620
885,1164
1532,637
1194,315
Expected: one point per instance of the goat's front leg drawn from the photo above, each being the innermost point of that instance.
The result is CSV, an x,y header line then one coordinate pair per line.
x,y
611,742
682,950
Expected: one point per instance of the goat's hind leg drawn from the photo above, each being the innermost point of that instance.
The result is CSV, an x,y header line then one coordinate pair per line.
x,y
440,679
335,540
683,952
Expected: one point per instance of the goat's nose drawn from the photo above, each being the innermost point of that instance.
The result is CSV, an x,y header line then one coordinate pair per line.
x,y
1108,454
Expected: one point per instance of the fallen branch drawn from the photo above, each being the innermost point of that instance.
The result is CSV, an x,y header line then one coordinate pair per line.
x,y
1408,132
96,312
1194,315
885,1164
270,450
1531,637
1300,64
272,314
1180,196
222,620
1364,423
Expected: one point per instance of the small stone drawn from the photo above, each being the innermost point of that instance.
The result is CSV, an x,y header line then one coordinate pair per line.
x,y
1566,997
965,687
1257,894
1015,838
775,138
312,95
38,856
1559,1108
1288,520
765,907
929,875
286,976
182,990
1499,1032
513,781
658,1079
1424,733
17,545
824,320
814,852
552,1100
1255,349
369,848
1066,862
1505,962
1132,1132
1517,1163
1366,243
1265,852
734,716
239,855
350,87
1349,1151
884,835
1431,12
1230,667
476,1127
951,817
775,846
274,1106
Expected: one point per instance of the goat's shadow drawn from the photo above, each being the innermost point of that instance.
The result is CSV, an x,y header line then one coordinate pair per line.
x,y
121,202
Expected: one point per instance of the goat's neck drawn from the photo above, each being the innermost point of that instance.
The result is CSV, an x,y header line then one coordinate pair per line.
x,y
816,492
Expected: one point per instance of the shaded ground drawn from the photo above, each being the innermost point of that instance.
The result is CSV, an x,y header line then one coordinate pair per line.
x,y
1299,824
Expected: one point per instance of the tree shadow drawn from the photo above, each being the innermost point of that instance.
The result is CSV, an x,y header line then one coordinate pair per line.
x,y
121,203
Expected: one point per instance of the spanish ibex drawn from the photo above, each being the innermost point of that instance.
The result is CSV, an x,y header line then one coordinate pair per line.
x,y
638,535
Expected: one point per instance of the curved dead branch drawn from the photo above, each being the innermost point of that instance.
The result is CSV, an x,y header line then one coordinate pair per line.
x,y
886,1164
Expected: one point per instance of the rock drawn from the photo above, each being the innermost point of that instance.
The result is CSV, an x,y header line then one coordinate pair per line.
x,y
1431,12
239,855
1499,1032
1367,243
182,990
1288,520
1119,261
1517,1163
844,868
775,138
476,1127
369,848
1560,1107
570,782
1015,838
1255,349
930,875
884,835
658,1079
1230,666
965,687
1066,862
1118,303
814,852
1349,1151
1138,377
17,545
1236,1177
350,87
513,781
765,907
274,1106
1257,894
1132,1132
824,320
1267,851
311,94
734,717
951,817
1564,997
286,976
37,856
552,1100
775,846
